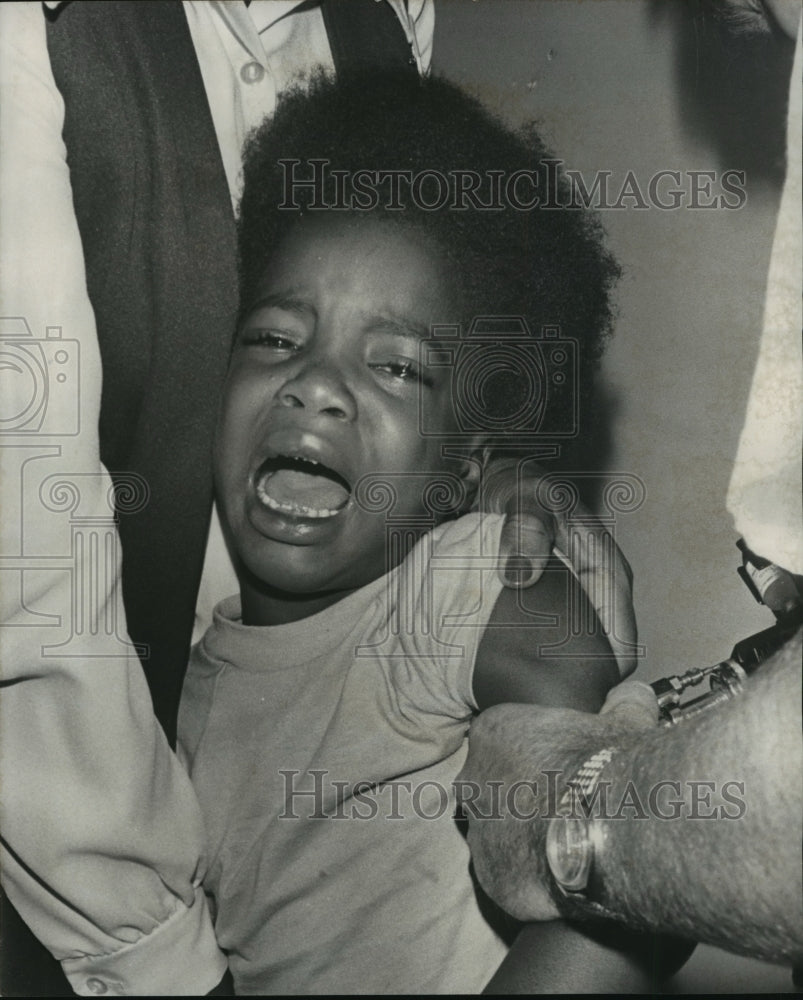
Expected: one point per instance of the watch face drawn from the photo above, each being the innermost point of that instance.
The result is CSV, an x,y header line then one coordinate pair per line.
x,y
568,851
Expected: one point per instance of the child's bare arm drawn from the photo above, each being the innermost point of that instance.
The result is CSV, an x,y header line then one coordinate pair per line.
x,y
561,957
546,646
530,652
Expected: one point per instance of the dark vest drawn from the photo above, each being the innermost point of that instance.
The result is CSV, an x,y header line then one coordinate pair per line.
x,y
158,234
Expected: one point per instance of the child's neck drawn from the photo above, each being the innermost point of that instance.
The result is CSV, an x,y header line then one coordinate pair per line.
x,y
266,605
263,604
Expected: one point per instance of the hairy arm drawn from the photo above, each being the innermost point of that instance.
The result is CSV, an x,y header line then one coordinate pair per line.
x,y
715,854
736,803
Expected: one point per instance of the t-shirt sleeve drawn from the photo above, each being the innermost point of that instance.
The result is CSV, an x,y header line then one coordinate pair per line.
x,y
447,589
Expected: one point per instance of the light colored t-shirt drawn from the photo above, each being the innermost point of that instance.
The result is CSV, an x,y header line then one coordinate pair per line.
x,y
323,754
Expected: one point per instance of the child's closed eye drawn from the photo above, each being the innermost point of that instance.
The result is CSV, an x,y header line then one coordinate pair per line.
x,y
277,340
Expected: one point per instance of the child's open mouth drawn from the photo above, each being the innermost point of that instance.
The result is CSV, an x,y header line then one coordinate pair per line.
x,y
301,487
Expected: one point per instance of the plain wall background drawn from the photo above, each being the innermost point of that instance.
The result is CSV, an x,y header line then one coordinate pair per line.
x,y
621,85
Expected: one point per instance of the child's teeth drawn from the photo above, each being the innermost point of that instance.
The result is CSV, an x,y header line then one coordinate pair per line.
x,y
291,508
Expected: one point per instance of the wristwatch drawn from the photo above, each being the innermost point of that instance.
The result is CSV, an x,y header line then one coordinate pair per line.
x,y
574,843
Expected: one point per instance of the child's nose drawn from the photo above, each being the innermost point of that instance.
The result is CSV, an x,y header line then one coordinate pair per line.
x,y
321,390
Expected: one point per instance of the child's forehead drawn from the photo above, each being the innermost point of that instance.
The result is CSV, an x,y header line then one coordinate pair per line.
x,y
310,231
379,261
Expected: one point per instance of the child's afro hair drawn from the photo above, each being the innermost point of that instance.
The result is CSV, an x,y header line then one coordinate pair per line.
x,y
548,265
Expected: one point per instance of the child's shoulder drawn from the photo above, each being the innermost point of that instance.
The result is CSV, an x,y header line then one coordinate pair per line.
x,y
453,563
453,570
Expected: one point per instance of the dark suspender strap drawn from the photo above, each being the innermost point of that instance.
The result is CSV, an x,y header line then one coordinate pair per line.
x,y
364,34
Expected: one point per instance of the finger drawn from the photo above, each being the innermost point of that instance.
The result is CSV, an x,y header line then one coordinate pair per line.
x,y
500,488
605,576
525,546
633,703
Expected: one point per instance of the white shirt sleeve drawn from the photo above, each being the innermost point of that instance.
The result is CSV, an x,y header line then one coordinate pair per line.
x,y
102,838
764,496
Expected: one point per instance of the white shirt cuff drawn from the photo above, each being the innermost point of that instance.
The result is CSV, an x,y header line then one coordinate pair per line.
x,y
179,958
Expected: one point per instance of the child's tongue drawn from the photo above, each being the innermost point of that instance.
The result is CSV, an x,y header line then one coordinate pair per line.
x,y
313,491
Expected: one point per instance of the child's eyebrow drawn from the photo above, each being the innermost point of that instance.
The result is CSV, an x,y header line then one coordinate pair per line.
x,y
399,325
284,301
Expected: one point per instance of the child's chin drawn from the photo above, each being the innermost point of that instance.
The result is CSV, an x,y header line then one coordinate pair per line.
x,y
294,570
312,578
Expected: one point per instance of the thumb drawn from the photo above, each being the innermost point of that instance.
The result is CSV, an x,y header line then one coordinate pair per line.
x,y
525,546
632,703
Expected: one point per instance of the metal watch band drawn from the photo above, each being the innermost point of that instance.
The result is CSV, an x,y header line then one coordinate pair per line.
x,y
582,785
586,778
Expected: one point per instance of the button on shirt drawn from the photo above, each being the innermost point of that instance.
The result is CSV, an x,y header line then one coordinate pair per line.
x,y
249,55
252,72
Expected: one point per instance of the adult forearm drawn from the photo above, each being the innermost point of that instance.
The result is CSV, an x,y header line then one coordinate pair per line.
x,y
102,834
712,848
701,823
